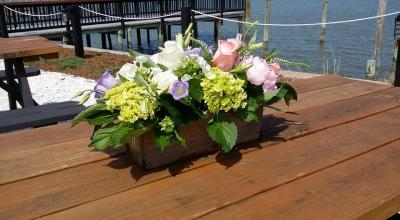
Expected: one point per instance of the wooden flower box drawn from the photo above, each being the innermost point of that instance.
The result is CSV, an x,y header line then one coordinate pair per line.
x,y
147,154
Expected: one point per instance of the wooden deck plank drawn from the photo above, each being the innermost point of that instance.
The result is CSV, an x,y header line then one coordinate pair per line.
x,y
38,137
330,94
98,177
320,82
369,184
204,190
33,162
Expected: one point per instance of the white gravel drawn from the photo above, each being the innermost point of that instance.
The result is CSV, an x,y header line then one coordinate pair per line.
x,y
51,87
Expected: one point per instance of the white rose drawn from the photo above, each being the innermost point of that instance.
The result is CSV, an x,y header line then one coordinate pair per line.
x,y
171,56
128,71
164,80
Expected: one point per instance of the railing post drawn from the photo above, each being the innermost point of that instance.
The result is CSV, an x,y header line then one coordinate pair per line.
x,y
222,10
186,18
3,22
162,22
193,6
75,12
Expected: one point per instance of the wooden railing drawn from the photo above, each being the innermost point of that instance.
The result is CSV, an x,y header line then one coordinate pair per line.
x,y
125,8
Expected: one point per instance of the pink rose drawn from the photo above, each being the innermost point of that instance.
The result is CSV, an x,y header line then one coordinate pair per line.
x,y
226,55
275,67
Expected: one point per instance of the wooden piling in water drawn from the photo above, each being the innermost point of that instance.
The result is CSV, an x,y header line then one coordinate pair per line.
x,y
103,41
379,35
120,43
138,38
217,30
323,20
88,40
247,11
129,41
267,20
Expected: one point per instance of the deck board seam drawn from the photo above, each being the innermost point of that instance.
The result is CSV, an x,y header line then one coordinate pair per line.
x,y
297,178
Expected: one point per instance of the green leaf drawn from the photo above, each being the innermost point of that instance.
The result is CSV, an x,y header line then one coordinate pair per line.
x,y
223,131
115,135
139,79
179,112
284,91
247,115
163,139
104,117
195,90
90,112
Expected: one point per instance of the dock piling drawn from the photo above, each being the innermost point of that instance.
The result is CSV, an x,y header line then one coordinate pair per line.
x,y
120,43
323,26
129,38
267,20
139,38
379,35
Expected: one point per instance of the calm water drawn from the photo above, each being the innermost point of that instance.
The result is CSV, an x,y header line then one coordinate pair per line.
x,y
351,45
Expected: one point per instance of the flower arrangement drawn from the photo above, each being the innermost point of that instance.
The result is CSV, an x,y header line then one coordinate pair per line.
x,y
186,81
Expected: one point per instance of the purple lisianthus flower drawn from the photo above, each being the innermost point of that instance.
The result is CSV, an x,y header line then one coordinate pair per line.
x,y
179,90
193,52
106,81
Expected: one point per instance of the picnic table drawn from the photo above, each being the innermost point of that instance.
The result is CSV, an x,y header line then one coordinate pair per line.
x,y
13,51
337,157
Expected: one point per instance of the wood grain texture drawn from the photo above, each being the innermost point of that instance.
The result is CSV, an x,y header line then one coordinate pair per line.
x,y
320,82
328,95
38,161
26,46
39,137
367,187
196,193
93,181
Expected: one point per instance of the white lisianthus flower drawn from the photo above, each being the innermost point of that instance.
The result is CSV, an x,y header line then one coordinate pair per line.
x,y
164,80
128,71
170,56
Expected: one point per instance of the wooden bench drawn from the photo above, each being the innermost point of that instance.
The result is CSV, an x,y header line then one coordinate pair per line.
x,y
38,115
29,71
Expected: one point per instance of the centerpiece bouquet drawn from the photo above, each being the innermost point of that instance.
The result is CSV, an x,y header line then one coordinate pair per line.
x,y
187,81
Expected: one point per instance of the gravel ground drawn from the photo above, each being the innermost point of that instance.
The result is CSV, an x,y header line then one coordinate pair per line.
x,y
51,87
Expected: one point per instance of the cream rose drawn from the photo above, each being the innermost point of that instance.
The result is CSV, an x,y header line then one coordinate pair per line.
x,y
170,56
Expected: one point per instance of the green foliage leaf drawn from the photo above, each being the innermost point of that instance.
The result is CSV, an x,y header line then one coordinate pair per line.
x,y
254,101
163,139
195,90
179,112
223,131
179,138
90,113
284,91
115,135
100,118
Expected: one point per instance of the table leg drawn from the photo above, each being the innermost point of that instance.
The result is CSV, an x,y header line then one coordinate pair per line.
x,y
27,100
12,100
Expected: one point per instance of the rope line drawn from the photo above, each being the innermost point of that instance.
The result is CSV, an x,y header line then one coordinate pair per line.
x,y
298,25
32,15
124,18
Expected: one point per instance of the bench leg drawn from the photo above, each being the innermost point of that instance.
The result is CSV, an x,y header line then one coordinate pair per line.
x,y
12,99
27,100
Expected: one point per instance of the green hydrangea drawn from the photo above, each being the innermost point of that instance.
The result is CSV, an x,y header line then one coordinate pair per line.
x,y
167,125
223,92
133,101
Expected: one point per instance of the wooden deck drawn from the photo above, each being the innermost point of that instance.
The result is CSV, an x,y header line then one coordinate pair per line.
x,y
338,157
